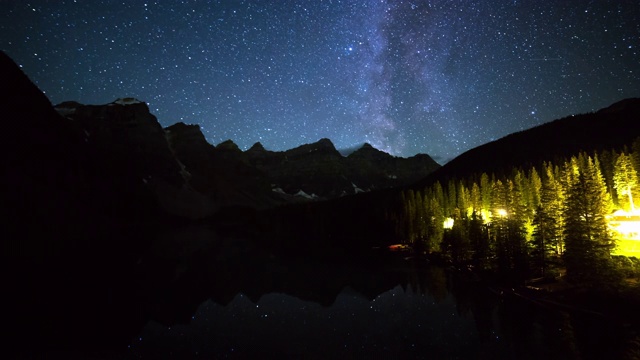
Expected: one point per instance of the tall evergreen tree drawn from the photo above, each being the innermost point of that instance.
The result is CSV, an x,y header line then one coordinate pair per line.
x,y
475,199
517,217
548,222
588,239
486,190
421,223
608,161
535,188
451,197
479,241
463,202
625,181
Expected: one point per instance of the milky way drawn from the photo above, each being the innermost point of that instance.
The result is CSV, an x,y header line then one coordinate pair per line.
x,y
436,77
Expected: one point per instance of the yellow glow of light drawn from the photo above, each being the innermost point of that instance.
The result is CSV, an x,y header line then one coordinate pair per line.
x,y
626,226
448,223
502,212
626,223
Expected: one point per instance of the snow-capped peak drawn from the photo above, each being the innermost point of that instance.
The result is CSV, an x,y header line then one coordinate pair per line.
x,y
127,101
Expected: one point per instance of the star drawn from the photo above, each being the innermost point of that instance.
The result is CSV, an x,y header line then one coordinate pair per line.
x,y
436,77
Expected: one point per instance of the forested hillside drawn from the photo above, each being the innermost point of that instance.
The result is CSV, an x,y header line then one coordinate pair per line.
x,y
576,214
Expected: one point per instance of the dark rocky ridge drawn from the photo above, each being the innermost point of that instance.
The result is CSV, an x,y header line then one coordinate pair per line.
x,y
319,169
219,173
192,178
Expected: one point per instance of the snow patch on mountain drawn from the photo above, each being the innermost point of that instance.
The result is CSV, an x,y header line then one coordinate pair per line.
x,y
305,195
127,101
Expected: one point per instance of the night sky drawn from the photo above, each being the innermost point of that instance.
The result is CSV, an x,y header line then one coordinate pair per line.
x,y
435,77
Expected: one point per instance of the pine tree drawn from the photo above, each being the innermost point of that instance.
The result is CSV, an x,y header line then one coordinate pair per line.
x,y
463,202
625,181
420,222
499,226
436,224
451,197
486,191
535,188
517,217
475,199
588,240
635,154
479,241
548,222
608,162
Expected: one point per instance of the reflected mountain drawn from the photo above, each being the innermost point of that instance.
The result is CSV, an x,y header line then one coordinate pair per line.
x,y
397,323
430,313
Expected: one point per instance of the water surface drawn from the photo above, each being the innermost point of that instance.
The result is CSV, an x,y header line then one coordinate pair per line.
x,y
429,313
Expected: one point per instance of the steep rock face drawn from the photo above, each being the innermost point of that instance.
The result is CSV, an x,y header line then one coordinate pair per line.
x,y
134,155
372,168
130,135
319,169
315,169
220,173
69,233
228,145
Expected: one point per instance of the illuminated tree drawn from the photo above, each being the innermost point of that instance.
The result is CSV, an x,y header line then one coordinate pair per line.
x,y
463,198
635,155
508,229
533,191
475,199
587,236
439,213
486,191
451,198
548,221
608,164
436,227
517,219
625,181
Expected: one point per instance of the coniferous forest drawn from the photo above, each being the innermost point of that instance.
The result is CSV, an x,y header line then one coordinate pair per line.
x,y
573,218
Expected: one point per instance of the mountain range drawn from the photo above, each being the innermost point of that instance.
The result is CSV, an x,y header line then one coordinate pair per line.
x,y
203,177
105,211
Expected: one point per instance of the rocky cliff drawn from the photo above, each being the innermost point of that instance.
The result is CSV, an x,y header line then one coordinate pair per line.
x,y
318,170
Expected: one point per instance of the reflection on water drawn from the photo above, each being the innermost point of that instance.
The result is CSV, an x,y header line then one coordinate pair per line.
x,y
397,323
398,310
431,314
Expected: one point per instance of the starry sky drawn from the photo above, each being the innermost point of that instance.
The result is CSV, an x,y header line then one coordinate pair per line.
x,y
437,77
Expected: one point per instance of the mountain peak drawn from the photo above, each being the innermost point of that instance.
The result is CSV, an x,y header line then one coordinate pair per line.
x,y
257,147
127,101
369,152
326,143
323,145
228,145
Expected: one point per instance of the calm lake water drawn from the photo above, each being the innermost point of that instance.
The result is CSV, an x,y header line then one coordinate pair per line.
x,y
329,312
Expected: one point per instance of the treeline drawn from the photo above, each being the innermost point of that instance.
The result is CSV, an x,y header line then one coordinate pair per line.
x,y
534,222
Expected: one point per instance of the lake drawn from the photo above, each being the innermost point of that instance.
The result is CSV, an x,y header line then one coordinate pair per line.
x,y
402,311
